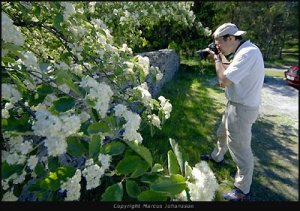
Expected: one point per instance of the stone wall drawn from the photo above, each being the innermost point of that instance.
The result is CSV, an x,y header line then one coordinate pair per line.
x,y
168,62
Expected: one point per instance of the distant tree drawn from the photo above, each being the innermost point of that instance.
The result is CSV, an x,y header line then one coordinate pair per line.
x,y
268,24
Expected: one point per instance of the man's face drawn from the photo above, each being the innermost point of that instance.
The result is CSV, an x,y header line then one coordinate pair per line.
x,y
225,46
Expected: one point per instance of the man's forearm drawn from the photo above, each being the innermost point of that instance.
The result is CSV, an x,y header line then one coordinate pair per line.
x,y
220,69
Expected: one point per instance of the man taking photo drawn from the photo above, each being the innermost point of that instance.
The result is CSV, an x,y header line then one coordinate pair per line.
x,y
243,80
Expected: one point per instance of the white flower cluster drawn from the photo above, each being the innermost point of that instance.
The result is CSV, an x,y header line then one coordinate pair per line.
x,y
146,95
32,161
133,121
101,92
154,119
203,183
9,196
31,62
126,49
10,33
10,93
105,160
5,111
93,172
65,88
144,63
56,129
18,149
165,106
69,9
17,154
72,185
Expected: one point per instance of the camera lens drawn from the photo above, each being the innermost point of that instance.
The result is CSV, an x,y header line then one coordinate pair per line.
x,y
203,54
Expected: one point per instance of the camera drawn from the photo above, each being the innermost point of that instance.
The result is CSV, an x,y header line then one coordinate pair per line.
x,y
204,53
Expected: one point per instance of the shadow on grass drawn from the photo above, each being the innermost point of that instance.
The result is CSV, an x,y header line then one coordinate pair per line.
x,y
274,177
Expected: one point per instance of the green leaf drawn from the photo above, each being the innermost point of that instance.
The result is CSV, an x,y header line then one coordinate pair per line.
x,y
141,150
75,147
150,195
57,20
172,163
36,10
157,168
44,89
113,193
149,178
94,146
177,150
98,127
19,83
64,104
4,122
40,170
141,169
113,148
53,163
8,170
66,77
133,165
188,170
54,180
132,188
94,115
174,184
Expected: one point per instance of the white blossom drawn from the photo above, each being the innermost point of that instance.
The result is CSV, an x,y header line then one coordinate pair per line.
x,y
10,93
93,174
69,10
65,88
84,116
144,63
146,95
165,106
101,92
9,196
154,119
32,161
120,109
132,124
203,183
72,185
10,33
105,160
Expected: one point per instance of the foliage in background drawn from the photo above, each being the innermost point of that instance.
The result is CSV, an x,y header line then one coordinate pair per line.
x,y
147,26
270,25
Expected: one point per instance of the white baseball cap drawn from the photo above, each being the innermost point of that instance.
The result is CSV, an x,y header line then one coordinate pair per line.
x,y
227,28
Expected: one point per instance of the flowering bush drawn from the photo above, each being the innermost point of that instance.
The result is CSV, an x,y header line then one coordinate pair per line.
x,y
150,25
73,102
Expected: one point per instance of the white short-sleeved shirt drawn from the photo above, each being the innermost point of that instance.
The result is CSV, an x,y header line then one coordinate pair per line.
x,y
246,72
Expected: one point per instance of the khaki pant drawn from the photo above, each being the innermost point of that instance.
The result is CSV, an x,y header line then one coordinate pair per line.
x,y
234,133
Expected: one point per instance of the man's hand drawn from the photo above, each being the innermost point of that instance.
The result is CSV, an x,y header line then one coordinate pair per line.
x,y
211,55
